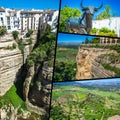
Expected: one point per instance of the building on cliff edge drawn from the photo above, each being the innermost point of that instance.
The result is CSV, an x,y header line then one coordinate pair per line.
x,y
22,20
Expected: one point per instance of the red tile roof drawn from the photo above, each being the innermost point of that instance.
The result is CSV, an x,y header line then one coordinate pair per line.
x,y
2,10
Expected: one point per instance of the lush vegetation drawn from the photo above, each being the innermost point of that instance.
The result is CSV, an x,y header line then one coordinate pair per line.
x,y
107,13
65,13
29,33
44,50
15,34
103,32
21,45
3,30
11,97
65,66
73,102
11,47
29,41
65,71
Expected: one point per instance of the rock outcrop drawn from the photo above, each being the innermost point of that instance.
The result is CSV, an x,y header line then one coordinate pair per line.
x,y
116,117
11,60
87,65
38,97
8,112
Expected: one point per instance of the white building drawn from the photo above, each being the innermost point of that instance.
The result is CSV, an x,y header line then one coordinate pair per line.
x,y
30,19
2,17
112,23
22,20
53,21
12,19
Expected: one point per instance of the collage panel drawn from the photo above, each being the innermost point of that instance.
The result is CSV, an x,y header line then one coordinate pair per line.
x,y
80,57
86,100
28,31
98,17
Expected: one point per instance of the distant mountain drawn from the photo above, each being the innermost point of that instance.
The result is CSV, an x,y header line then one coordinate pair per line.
x,y
69,43
105,84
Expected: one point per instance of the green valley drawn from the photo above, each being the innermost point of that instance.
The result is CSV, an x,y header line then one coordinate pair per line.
x,y
75,102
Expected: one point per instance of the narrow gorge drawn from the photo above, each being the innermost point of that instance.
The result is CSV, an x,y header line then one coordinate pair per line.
x,y
11,60
90,63
26,67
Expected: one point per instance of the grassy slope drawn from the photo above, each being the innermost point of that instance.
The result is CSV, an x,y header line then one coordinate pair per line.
x,y
66,54
81,102
11,97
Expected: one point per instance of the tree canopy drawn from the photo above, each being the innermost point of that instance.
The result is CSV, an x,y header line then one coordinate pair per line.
x,y
107,13
66,13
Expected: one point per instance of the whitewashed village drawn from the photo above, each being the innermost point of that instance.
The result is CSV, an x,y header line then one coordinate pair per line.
x,y
22,20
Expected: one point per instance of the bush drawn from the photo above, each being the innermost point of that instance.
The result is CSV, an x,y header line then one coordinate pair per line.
x,y
11,47
3,30
15,34
65,13
21,45
14,45
94,31
29,33
12,97
30,41
64,71
107,32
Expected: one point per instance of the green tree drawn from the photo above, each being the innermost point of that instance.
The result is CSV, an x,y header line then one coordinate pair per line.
x,y
107,32
87,41
95,40
29,33
3,30
64,71
15,34
65,13
94,31
107,13
44,50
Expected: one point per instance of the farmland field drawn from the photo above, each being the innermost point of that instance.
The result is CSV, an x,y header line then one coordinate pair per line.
x,y
83,100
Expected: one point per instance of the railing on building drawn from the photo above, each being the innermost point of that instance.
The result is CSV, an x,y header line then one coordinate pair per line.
x,y
104,41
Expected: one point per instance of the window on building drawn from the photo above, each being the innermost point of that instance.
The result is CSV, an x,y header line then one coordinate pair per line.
x,y
49,17
1,19
9,27
8,18
15,15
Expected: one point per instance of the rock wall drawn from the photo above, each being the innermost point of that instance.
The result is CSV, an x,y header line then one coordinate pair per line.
x,y
11,61
88,67
37,89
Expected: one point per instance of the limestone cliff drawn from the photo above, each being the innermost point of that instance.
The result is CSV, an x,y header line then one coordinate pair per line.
x,y
11,60
37,89
87,65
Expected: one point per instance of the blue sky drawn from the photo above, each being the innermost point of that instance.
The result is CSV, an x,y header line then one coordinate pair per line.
x,y
114,4
114,81
67,38
29,4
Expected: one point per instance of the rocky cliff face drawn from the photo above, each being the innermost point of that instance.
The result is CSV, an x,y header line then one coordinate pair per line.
x,y
37,89
88,66
11,60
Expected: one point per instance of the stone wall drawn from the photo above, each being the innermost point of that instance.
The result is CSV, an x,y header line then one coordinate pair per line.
x,y
11,61
88,67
